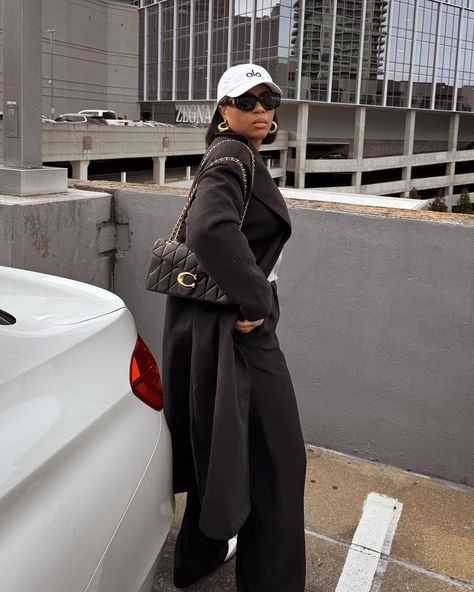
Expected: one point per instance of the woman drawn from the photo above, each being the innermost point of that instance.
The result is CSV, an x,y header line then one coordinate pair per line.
x,y
237,445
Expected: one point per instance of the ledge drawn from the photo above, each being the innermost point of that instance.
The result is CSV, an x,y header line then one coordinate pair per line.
x,y
449,217
466,219
111,186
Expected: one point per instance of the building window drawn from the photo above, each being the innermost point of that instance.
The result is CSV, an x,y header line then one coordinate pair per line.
x,y
200,33
152,17
182,49
465,90
373,59
398,67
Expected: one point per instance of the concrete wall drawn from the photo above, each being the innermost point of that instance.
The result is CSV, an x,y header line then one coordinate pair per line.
x,y
432,125
95,56
65,142
329,122
141,218
70,235
377,312
377,327
384,130
385,125
122,59
466,129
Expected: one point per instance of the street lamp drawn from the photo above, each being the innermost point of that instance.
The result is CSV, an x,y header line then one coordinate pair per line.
x,y
51,81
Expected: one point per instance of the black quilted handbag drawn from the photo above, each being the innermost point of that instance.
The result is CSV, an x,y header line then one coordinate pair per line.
x,y
174,269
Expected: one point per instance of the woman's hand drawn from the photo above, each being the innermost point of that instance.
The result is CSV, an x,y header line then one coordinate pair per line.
x,y
247,326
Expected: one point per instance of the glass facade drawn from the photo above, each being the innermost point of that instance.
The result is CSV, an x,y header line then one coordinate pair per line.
x,y
465,73
317,49
200,48
183,43
220,40
151,40
400,53
373,57
347,45
425,50
402,22
166,63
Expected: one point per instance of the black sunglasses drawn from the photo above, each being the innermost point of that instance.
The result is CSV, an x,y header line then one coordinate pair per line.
x,y
247,101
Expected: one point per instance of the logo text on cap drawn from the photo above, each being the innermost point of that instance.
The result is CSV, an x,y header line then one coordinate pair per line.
x,y
252,73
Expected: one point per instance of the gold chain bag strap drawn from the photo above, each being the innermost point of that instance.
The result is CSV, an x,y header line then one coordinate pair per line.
x,y
174,269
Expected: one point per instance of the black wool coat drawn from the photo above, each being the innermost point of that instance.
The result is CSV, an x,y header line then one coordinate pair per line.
x,y
205,376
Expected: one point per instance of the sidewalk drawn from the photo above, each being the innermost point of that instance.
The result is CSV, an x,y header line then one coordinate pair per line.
x,y
416,535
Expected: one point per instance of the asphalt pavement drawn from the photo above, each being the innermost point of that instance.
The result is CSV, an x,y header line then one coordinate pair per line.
x,y
369,528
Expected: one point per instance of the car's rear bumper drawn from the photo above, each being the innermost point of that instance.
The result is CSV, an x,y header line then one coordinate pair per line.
x,y
142,530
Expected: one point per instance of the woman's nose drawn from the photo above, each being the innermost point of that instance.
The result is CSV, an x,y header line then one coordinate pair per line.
x,y
258,107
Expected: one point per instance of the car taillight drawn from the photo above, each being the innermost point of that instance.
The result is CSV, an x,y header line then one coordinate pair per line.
x,y
145,377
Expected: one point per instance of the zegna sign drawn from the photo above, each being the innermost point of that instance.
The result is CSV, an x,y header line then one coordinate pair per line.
x,y
194,112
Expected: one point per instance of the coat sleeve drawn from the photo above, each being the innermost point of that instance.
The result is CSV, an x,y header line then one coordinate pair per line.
x,y
223,251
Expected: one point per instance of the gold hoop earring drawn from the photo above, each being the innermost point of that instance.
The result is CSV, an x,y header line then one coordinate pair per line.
x,y
273,128
223,126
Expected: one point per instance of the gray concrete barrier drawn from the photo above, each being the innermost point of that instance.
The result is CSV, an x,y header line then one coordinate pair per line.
x,y
377,326
71,235
377,309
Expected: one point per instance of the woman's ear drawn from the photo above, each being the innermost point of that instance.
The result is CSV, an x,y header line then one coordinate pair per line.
x,y
222,111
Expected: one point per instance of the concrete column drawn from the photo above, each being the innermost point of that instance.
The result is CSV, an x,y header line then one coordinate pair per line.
x,y
452,147
453,132
356,180
22,61
409,140
283,165
408,143
22,173
159,166
450,171
79,169
302,138
406,176
359,133
358,146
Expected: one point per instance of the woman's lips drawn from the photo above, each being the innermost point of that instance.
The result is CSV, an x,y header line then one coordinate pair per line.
x,y
260,123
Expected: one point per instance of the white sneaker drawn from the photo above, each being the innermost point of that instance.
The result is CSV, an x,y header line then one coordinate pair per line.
x,y
232,543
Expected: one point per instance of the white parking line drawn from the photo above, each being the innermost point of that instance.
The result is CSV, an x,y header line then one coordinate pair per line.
x,y
374,536
385,559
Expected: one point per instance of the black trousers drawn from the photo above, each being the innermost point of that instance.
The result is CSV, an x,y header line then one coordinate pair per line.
x,y
271,547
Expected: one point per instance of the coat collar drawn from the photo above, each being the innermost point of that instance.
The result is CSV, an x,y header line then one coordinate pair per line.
x,y
264,188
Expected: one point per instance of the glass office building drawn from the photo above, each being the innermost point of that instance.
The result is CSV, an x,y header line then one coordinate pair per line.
x,y
394,53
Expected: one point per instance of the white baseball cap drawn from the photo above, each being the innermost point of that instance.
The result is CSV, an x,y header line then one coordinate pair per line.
x,y
239,79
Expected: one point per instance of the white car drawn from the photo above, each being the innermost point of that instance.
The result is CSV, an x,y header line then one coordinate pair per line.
x,y
127,123
159,124
103,113
85,455
71,118
44,119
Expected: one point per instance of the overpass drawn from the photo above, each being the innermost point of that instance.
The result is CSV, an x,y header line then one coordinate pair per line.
x,y
406,165
83,143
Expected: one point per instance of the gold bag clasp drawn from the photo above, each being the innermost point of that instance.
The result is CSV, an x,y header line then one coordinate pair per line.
x,y
182,279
